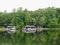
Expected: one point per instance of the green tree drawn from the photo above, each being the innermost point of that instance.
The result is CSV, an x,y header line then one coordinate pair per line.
x,y
53,23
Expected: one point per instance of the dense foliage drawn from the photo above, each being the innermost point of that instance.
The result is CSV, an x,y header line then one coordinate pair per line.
x,y
49,17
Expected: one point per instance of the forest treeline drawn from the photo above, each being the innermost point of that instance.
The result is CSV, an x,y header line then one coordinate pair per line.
x,y
48,17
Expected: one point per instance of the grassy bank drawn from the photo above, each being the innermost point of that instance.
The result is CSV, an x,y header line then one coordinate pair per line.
x,y
2,29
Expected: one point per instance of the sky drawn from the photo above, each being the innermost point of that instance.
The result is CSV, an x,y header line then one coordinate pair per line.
x,y
8,5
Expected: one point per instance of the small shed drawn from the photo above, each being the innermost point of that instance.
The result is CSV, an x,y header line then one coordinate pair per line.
x,y
29,29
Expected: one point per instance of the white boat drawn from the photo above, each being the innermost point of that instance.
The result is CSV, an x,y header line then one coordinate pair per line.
x,y
11,29
29,29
